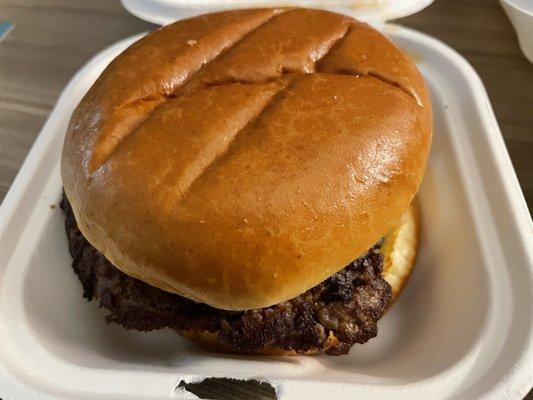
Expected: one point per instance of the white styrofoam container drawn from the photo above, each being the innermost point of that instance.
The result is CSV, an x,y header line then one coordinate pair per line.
x,y
462,329
520,12
165,11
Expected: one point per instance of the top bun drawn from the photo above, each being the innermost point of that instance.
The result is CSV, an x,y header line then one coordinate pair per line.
x,y
240,158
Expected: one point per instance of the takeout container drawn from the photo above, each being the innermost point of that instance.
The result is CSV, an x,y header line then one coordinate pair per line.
x,y
165,11
520,12
462,329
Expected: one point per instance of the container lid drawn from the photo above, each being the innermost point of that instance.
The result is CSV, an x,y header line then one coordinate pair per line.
x,y
163,12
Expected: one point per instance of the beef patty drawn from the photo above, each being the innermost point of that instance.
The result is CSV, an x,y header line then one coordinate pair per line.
x,y
348,304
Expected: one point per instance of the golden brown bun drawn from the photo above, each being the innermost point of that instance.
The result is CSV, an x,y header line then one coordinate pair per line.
x,y
399,254
228,157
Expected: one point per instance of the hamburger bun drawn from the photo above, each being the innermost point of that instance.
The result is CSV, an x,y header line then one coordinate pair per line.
x,y
240,158
399,249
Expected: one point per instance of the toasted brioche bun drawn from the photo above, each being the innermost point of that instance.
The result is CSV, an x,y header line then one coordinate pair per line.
x,y
399,254
227,158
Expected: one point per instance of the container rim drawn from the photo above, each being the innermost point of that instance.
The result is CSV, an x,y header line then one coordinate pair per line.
x,y
162,12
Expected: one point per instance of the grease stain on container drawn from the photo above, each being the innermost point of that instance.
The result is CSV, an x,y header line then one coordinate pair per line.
x,y
369,4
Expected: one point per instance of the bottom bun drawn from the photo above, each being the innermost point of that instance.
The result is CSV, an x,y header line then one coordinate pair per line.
x,y
399,248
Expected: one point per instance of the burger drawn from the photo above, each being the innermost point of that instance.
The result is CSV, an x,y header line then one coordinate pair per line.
x,y
247,179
